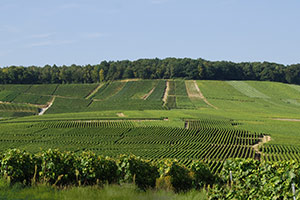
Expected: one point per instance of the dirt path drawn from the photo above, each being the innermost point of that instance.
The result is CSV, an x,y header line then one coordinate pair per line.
x,y
121,115
290,120
149,93
127,80
48,106
94,91
201,96
166,92
264,140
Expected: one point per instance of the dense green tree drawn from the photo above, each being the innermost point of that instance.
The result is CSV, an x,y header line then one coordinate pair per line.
x,y
101,75
151,69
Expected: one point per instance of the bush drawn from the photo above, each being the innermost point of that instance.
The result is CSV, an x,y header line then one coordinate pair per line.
x,y
257,180
17,166
202,175
134,169
57,167
181,179
94,169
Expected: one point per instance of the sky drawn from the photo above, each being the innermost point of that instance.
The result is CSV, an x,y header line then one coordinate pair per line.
x,y
65,32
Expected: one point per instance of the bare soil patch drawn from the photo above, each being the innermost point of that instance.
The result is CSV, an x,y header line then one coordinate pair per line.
x,y
290,120
166,92
127,80
94,91
43,110
120,114
147,95
264,140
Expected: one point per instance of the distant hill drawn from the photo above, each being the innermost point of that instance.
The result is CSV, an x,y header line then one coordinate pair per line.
x,y
138,94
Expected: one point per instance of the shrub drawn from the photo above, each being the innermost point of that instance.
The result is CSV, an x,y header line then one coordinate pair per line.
x,y
17,166
134,169
202,175
57,167
181,179
94,169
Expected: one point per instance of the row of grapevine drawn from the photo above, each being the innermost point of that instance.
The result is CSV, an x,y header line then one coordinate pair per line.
x,y
18,108
280,152
85,124
209,123
117,137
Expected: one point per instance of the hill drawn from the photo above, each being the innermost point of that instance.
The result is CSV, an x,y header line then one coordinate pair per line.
x,y
182,119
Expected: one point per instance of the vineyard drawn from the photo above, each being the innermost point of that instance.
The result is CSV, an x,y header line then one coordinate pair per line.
x,y
156,119
207,140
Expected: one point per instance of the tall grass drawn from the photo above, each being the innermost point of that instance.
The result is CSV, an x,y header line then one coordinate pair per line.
x,y
109,192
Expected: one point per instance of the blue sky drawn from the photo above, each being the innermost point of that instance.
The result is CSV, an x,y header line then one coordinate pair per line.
x,y
39,32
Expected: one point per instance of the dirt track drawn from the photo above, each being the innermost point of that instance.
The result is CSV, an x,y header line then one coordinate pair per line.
x,y
48,106
147,95
289,120
166,92
201,96
264,140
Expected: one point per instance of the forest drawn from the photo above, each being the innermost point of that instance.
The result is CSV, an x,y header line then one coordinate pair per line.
x,y
168,68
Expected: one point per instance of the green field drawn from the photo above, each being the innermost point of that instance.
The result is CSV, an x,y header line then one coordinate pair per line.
x,y
206,120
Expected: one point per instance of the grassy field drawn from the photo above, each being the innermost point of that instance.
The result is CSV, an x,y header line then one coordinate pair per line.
x,y
110,192
192,126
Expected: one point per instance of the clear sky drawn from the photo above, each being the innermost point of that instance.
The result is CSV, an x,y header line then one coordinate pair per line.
x,y
39,32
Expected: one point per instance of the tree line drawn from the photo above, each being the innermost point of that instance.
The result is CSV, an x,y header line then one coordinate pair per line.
x,y
167,68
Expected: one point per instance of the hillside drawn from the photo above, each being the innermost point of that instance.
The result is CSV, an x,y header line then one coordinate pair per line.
x,y
182,119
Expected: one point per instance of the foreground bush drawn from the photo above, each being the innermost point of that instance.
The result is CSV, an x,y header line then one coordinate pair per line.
x,y
202,175
57,168
66,168
17,166
92,169
252,179
141,172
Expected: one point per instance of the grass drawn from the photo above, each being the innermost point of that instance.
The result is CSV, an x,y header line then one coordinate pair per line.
x,y
111,192
247,89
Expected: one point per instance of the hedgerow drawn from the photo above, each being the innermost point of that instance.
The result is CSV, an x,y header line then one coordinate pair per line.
x,y
239,178
67,168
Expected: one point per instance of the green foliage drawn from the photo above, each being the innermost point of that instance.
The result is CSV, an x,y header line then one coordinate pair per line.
x,y
101,75
75,90
93,169
8,96
32,99
131,95
17,166
158,92
152,69
13,107
109,90
62,105
141,172
255,180
202,175
181,178
42,89
106,192
57,168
